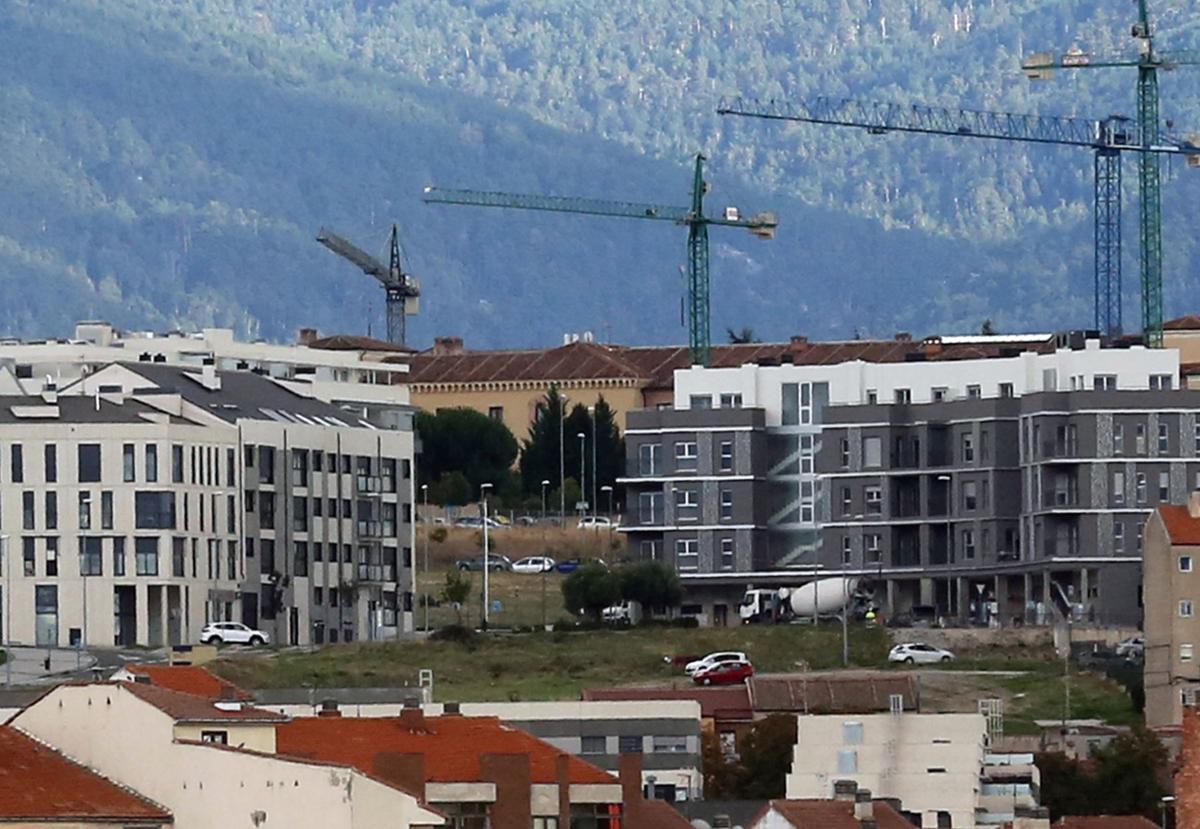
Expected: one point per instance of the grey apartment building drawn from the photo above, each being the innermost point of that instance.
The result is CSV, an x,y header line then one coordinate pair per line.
x,y
144,500
1007,507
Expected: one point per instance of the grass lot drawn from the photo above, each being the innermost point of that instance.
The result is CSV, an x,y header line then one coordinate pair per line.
x,y
550,665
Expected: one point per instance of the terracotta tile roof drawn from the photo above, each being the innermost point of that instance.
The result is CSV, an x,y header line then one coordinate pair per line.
x,y
654,366
189,679
834,814
855,693
451,745
352,342
1104,822
191,708
1181,527
1188,322
37,783
731,703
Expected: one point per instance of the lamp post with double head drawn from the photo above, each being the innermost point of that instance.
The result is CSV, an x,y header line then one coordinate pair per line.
x,y
483,495
582,473
428,527
595,476
544,485
562,461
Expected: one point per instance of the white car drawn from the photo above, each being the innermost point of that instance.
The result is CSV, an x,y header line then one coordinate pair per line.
x,y
594,522
712,659
232,633
919,653
533,565
1132,648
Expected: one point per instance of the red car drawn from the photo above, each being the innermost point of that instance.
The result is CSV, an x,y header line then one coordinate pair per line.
x,y
725,673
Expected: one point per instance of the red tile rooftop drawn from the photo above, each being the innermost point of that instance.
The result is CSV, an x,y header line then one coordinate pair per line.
x,y
37,784
189,679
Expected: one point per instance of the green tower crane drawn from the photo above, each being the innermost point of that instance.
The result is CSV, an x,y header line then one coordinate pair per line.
x,y
1147,62
697,222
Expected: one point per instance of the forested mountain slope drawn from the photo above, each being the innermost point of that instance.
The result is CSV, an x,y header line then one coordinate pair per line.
x,y
167,163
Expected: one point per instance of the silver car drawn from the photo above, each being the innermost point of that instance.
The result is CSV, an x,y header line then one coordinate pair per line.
x,y
919,653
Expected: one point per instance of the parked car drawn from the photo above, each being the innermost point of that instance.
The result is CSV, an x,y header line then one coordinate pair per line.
x,y
570,565
625,612
594,522
232,633
495,563
725,673
919,653
706,662
475,522
1132,648
533,565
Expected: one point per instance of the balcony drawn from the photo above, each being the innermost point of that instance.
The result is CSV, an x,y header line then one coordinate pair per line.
x,y
1060,450
369,485
373,528
1061,499
376,572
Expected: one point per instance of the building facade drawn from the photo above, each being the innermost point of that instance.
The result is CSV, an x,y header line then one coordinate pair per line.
x,y
853,459
1172,629
144,500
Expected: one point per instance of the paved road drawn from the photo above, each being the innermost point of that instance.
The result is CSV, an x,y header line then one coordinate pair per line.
x,y
27,666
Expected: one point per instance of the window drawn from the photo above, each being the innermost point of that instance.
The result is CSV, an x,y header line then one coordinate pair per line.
x,y
1119,439
670,745
852,733
873,496
727,556
146,554
85,510
968,544
18,464
176,463
872,397
45,598
496,412
1006,389
118,554
230,472
650,508
1118,537
300,558
847,500
155,510
1186,611
845,446
106,510
970,499
29,556
593,744
700,401
89,462
1104,382
218,737
52,510
1196,440
903,397
91,557
968,448
1161,382
1139,439
630,744
128,463
50,455
151,463
300,514
687,504
687,553
231,514
266,464
872,452
1163,439
790,404
1185,564
649,460
874,547
726,458
1118,488
1185,652
1164,487
985,445
266,510
1140,487
685,455
938,394
726,504
847,550
178,557
300,467
52,556
974,392
731,401
847,761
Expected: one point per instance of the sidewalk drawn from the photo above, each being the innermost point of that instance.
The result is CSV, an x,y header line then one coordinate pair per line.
x,y
27,666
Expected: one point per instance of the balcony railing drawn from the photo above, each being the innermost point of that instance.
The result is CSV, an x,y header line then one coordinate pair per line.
x,y
377,572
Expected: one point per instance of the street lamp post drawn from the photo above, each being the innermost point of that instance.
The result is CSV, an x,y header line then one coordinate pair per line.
x,y
582,472
425,596
1164,804
608,489
544,485
595,476
946,480
562,462
483,490
7,597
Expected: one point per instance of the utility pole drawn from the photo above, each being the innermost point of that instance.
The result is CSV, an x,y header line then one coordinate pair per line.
x,y
483,490
425,596
562,462
595,508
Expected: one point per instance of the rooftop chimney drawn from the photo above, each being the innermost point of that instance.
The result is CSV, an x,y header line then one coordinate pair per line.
x,y
227,692
903,337
1193,503
412,718
305,336
50,392
864,809
798,343
329,708
845,790
445,346
208,375
451,709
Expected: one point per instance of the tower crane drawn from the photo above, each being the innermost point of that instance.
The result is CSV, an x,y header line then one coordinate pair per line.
x,y
1108,138
402,288
1148,61
697,222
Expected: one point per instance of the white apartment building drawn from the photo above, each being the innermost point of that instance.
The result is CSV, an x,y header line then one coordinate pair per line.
x,y
143,500
794,393
931,763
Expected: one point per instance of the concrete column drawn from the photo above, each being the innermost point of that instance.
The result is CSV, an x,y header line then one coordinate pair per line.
x,y
1000,594
143,614
927,593
891,596
1026,595
1084,585
962,592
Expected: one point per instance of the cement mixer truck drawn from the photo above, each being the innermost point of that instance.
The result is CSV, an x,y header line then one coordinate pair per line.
x,y
823,597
